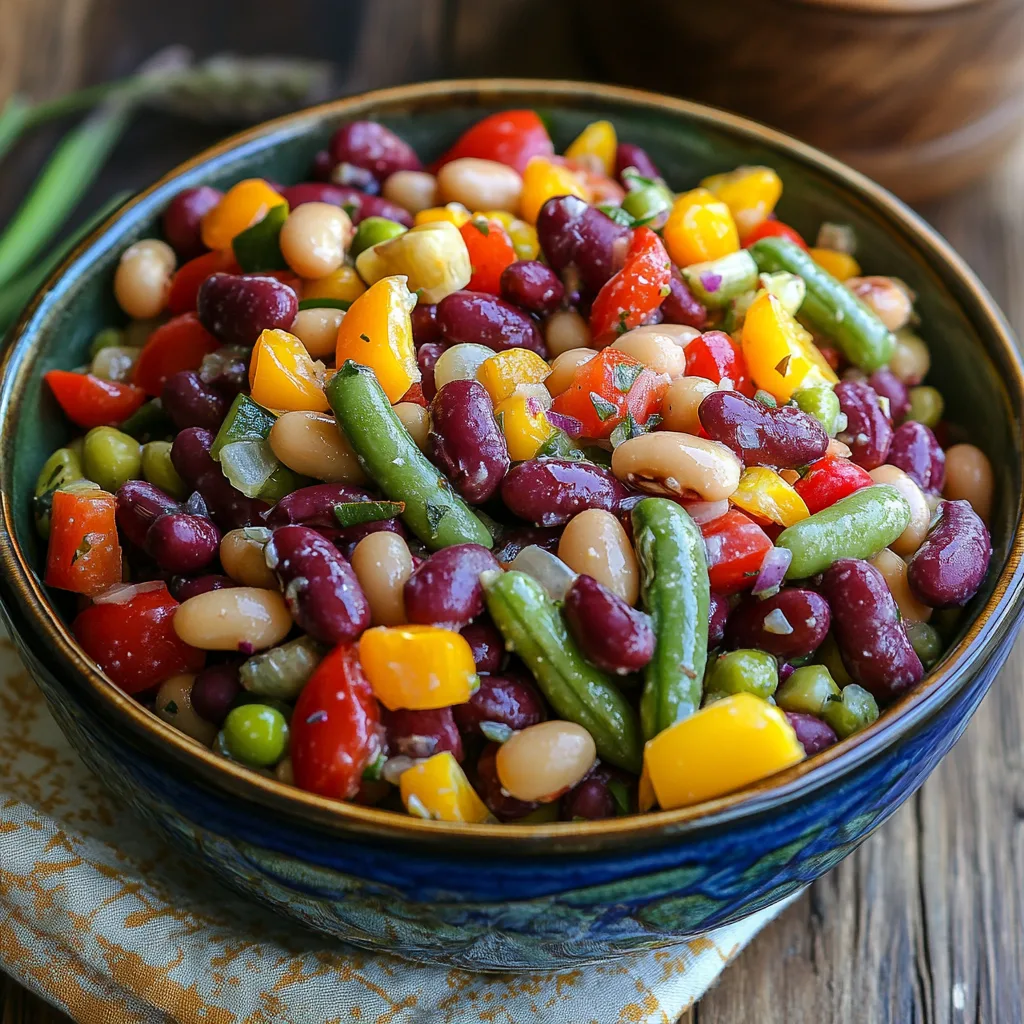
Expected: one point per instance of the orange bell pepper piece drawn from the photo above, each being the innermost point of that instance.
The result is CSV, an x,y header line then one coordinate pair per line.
x,y
84,554
841,265
283,376
243,205
544,179
437,789
750,193
700,227
490,252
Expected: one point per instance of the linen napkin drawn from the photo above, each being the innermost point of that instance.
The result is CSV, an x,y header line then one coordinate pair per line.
x,y
103,919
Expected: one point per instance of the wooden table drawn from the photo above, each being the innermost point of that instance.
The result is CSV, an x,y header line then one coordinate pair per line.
x,y
925,923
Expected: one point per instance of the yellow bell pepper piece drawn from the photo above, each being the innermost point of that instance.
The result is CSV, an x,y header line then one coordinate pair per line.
x,y
506,371
780,354
762,492
283,376
525,424
523,235
841,265
597,140
418,667
645,797
750,193
377,332
699,228
437,789
454,213
344,284
719,749
543,180
241,206
433,256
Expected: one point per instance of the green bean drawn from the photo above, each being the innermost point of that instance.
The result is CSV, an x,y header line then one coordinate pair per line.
x,y
111,457
158,469
283,671
821,403
257,248
744,671
717,282
856,710
926,405
372,231
148,421
807,690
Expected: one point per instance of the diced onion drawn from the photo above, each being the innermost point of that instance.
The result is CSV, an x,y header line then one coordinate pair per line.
x,y
248,465
547,569
122,593
572,426
706,511
775,622
773,572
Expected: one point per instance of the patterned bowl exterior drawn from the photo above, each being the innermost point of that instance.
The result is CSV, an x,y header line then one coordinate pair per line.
x,y
510,897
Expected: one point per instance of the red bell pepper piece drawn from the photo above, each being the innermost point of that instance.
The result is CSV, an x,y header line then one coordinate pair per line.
x,y
828,480
336,727
90,401
735,547
636,291
774,228
609,387
715,355
490,252
84,554
134,641
511,137
179,344
188,279
415,396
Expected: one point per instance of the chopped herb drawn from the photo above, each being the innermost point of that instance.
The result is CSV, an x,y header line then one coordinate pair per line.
x,y
83,548
765,399
602,406
622,326
665,291
355,513
618,214
481,225
171,707
365,337
624,376
372,772
324,304
500,420
435,514
629,428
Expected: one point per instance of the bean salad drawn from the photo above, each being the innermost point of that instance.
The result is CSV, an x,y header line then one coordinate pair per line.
x,y
519,488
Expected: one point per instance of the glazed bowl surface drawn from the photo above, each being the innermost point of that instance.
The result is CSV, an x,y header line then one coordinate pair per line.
x,y
505,896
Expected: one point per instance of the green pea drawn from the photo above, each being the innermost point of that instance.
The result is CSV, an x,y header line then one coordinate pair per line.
x,y
926,405
926,641
856,710
828,655
77,445
372,231
109,337
808,690
256,734
646,203
60,469
750,671
821,403
158,469
947,622
111,457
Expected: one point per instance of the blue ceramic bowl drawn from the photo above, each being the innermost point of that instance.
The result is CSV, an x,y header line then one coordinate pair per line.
x,y
502,896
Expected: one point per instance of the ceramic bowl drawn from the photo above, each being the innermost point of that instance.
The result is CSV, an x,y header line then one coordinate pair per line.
x,y
505,896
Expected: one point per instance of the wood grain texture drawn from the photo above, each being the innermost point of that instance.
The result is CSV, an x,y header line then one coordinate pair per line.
x,y
925,923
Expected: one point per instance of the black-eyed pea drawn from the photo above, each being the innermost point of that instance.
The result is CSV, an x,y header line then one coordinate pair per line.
x,y
173,703
310,443
543,761
241,555
244,619
920,512
677,465
595,544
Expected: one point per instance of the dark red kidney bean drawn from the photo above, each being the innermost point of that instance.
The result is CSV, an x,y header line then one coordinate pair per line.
x,y
229,509
532,286
589,800
814,734
184,587
182,543
139,505
465,442
628,155
427,358
488,786
487,645
868,430
215,690
514,538
182,220
350,176
681,306
866,624
425,328
191,403
320,587
611,635
510,700
888,385
369,144
760,436
718,612
323,164
314,505
549,492
480,318
806,613
237,307
227,370
948,568
916,451
445,589
422,733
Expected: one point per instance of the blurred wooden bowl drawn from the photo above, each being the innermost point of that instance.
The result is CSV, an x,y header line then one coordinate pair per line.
x,y
921,95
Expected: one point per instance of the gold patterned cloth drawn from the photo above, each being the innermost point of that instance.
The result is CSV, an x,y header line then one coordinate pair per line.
x,y
102,918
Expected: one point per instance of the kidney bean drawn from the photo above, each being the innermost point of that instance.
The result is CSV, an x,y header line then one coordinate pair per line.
x,y
514,539
867,628
320,587
318,192
191,403
888,385
718,612
761,436
182,543
629,155
589,800
357,203
314,505
681,306
948,568
611,635
227,370
425,328
237,307
510,700
814,734
427,356
215,690
487,644
465,441
549,492
369,144
184,587
916,451
532,286
182,220
139,504
323,164
764,624
868,430
229,509
422,733
480,318
488,785
446,587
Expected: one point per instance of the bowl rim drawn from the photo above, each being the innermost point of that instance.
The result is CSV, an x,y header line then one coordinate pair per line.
x,y
60,653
